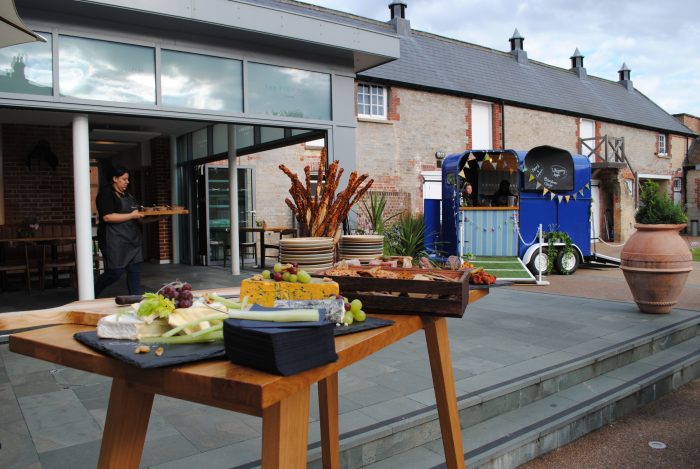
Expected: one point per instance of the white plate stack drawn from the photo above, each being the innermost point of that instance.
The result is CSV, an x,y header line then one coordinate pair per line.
x,y
311,254
362,247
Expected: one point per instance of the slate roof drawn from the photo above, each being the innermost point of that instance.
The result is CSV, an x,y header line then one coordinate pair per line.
x,y
438,63
446,65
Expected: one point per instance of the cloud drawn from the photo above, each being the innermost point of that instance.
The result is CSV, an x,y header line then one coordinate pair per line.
x,y
657,40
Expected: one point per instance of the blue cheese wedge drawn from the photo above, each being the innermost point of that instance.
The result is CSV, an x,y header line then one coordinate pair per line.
x,y
129,326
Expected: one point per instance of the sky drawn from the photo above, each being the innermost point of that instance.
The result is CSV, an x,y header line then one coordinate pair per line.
x,y
657,40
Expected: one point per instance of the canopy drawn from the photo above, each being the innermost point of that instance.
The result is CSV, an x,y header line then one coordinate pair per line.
x,y
12,29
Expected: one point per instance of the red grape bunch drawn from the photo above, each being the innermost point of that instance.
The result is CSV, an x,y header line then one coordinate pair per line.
x,y
180,292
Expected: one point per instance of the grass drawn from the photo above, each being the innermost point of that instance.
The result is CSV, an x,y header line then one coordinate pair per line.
x,y
696,254
502,267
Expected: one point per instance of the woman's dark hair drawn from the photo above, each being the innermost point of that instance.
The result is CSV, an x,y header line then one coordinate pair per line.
x,y
117,171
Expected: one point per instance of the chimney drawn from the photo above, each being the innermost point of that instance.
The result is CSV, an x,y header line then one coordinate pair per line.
x,y
516,47
577,64
624,77
398,17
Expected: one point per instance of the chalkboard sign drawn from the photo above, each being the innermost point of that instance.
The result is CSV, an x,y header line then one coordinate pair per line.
x,y
552,167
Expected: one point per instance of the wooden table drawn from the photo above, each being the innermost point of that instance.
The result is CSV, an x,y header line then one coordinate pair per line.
x,y
282,402
261,230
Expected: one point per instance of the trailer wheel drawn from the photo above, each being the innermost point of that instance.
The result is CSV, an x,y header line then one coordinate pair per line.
x,y
566,264
539,262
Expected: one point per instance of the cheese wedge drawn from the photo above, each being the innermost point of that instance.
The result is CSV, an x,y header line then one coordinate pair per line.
x,y
265,292
129,326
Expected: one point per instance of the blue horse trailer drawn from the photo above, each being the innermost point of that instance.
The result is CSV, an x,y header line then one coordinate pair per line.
x,y
546,186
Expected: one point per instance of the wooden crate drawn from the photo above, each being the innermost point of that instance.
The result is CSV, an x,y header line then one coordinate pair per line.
x,y
394,296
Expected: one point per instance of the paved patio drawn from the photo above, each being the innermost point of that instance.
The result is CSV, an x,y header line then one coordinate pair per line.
x,y
52,417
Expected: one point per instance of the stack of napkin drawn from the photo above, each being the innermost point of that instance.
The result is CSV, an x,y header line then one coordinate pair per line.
x,y
277,347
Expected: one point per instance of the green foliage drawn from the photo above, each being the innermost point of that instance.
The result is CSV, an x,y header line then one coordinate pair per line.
x,y
406,237
554,236
374,211
656,208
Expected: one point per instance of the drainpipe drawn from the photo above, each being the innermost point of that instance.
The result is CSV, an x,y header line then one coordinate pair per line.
x,y
81,191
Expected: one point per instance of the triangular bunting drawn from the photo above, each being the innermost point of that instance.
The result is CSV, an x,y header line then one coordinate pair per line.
x,y
538,185
524,169
471,157
580,192
487,157
567,197
587,186
544,191
480,163
531,178
560,197
551,196
574,196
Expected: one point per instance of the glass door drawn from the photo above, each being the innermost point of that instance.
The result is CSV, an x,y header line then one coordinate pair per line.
x,y
217,199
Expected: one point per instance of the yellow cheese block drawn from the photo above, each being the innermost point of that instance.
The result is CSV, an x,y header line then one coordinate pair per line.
x,y
265,292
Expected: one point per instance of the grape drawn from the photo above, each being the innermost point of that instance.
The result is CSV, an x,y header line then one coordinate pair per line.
x,y
186,287
295,265
285,276
266,274
348,318
346,305
277,277
359,316
185,303
355,305
277,267
293,270
303,277
293,278
169,292
185,295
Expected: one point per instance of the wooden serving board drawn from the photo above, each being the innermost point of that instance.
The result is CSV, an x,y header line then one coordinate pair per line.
x,y
171,211
396,296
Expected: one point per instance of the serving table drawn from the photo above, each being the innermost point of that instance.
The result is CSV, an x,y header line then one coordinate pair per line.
x,y
282,402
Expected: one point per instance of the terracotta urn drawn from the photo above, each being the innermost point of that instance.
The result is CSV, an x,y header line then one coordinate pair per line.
x,y
656,262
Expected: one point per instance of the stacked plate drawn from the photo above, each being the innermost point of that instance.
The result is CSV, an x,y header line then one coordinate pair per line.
x,y
362,247
311,254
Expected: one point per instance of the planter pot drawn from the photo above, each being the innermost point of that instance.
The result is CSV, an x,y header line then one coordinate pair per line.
x,y
656,262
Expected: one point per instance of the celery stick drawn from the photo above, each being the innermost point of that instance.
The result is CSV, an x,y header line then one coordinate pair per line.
x,y
184,339
206,331
179,328
291,315
224,301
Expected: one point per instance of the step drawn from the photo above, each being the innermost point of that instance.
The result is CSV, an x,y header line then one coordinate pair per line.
x,y
489,400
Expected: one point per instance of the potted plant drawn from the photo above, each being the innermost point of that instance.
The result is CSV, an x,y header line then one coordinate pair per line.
x,y
655,260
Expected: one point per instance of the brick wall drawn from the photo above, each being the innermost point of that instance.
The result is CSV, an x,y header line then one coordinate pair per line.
x,y
160,234
497,126
37,190
396,202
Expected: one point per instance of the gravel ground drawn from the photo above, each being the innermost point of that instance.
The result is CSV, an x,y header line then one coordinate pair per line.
x,y
673,420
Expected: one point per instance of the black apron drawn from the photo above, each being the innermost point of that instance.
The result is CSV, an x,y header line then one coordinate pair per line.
x,y
122,244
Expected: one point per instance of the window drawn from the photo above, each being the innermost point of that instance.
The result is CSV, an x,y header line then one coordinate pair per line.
x,y
661,146
371,101
27,68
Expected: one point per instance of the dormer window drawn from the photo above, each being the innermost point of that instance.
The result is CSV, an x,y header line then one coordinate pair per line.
x,y
662,146
371,101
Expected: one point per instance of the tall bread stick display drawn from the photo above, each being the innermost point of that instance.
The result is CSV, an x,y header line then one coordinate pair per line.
x,y
319,212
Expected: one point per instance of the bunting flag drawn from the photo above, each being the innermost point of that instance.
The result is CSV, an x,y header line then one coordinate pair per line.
x,y
587,186
480,163
559,197
471,157
580,192
567,197
544,191
500,156
574,196
524,169
487,157
551,196
537,185
532,178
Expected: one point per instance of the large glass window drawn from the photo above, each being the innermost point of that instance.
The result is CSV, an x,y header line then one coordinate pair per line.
x,y
106,71
281,91
27,68
201,82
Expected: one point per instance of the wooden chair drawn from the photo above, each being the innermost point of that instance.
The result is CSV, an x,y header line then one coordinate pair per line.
x,y
98,265
58,256
243,247
15,259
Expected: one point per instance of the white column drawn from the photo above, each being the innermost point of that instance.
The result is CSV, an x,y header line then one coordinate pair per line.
x,y
174,220
81,190
233,200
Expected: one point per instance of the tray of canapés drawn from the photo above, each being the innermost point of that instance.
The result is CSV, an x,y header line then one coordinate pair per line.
x,y
396,286
161,210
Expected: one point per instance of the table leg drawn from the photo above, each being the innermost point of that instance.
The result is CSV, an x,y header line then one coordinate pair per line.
x,y
328,410
444,384
125,427
286,432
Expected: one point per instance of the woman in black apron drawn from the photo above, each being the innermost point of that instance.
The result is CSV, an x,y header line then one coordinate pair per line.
x,y
119,234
